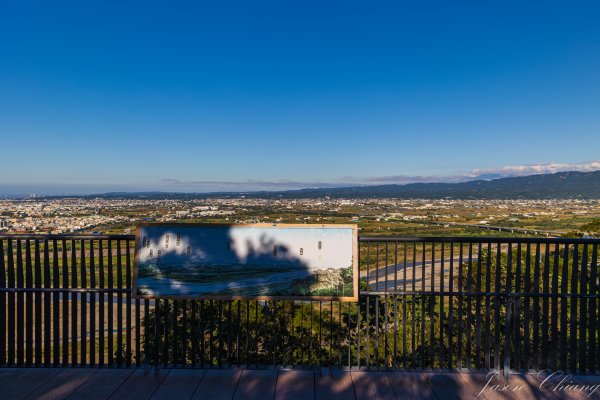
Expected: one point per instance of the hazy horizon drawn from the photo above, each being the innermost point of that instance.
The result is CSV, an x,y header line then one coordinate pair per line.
x,y
49,189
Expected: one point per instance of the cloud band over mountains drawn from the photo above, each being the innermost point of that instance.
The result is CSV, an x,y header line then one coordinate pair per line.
x,y
534,169
284,184
203,186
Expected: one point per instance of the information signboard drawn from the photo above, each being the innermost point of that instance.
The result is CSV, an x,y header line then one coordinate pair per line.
x,y
260,261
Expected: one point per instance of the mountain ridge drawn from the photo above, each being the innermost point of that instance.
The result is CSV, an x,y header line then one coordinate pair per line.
x,y
559,185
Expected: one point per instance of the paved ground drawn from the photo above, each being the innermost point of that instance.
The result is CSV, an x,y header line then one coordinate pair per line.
x,y
101,384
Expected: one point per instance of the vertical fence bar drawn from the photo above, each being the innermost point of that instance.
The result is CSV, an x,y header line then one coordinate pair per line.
x,y
319,343
165,332
237,332
469,359
441,308
596,300
459,334
340,333
554,311
147,331
497,316
156,333
404,305
432,307
29,304
545,306
368,308
451,325
102,295
478,308
413,304
128,301
110,310
348,336
330,361
232,329
248,332
74,284
593,318
385,323
84,298
563,308
219,325
582,317
220,332
11,304
367,329
395,338
47,306
202,335
376,355
2,305
395,333
138,333
517,311
38,304
573,318
526,311
175,336
385,267
536,309
358,358
119,305
509,302
183,338
93,295
20,305
423,304
488,321
65,304
376,265
55,306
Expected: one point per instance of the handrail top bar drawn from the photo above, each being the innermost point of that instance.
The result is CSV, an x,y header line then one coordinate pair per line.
x,y
70,236
477,239
437,239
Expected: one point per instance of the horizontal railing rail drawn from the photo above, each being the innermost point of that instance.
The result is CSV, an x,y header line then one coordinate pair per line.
x,y
408,239
69,236
449,303
477,239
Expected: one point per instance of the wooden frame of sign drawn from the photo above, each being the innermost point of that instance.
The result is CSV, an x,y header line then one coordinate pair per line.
x,y
301,266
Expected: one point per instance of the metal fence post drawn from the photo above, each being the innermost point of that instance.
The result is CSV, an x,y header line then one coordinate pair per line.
x,y
510,301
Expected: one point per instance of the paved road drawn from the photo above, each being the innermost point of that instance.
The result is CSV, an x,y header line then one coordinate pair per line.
x,y
396,273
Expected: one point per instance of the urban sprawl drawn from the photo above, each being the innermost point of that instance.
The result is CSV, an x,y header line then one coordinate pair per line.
x,y
373,216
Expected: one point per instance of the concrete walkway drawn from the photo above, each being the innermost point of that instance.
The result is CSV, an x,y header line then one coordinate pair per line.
x,y
102,384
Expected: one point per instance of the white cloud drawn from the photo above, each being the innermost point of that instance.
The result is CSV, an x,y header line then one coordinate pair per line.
x,y
247,185
533,169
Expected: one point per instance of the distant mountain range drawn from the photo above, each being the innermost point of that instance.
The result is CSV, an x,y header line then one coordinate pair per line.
x,y
560,185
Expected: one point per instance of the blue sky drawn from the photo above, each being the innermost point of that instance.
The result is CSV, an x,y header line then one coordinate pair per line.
x,y
200,96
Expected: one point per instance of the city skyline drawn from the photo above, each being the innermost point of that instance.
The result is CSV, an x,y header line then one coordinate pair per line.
x,y
265,96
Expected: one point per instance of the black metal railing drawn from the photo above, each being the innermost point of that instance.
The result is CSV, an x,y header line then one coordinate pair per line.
x,y
440,303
